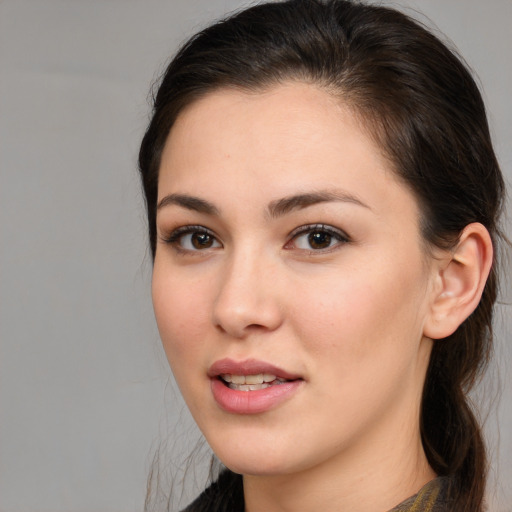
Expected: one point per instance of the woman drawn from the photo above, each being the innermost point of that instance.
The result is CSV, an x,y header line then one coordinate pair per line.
x,y
323,203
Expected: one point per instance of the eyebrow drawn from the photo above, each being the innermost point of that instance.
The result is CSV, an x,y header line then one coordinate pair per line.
x,y
286,205
188,202
275,209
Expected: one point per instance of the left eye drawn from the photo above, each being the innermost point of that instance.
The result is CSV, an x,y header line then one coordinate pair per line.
x,y
198,240
318,238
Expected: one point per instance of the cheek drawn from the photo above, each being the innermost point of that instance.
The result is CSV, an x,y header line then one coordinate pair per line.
x,y
364,332
363,316
181,314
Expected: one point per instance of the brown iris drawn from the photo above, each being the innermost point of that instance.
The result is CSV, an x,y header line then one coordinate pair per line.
x,y
319,239
202,240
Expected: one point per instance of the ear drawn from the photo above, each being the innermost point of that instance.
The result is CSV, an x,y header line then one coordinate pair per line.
x,y
460,279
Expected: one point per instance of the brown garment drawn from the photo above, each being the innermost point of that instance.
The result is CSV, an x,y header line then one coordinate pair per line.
x,y
430,498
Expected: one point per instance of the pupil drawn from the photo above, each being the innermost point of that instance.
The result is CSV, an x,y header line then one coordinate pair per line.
x,y
319,239
201,240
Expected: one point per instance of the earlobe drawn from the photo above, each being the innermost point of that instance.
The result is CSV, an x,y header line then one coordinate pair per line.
x,y
461,278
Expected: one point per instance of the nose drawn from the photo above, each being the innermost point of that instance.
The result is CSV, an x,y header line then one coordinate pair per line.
x,y
248,299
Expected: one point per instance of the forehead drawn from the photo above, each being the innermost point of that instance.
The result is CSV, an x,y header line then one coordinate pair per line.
x,y
304,109
289,138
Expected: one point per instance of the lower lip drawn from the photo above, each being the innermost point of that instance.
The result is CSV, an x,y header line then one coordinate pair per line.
x,y
252,402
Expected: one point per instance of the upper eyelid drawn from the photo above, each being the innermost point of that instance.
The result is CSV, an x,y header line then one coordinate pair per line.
x,y
192,228
174,234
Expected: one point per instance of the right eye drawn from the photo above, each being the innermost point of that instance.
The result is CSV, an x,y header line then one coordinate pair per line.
x,y
193,239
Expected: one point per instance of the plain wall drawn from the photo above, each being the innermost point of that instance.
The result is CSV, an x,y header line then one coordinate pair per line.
x,y
84,391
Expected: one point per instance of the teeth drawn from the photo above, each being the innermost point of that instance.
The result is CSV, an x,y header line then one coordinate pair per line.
x,y
254,379
249,387
249,379
238,379
251,382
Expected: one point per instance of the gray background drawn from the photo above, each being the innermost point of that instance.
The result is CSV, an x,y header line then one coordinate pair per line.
x,y
84,386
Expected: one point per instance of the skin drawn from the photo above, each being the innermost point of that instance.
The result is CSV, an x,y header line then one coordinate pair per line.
x,y
351,319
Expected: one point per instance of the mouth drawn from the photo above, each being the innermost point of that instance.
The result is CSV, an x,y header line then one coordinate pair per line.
x,y
251,382
251,386
249,372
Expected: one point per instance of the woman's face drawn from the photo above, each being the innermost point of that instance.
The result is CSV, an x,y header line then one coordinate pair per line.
x,y
290,282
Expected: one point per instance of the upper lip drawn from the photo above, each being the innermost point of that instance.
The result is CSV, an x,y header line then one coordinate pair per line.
x,y
248,367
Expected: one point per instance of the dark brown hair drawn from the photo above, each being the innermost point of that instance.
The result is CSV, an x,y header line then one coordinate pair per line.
x,y
420,103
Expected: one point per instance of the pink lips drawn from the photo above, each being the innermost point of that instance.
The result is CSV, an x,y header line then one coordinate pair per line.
x,y
250,402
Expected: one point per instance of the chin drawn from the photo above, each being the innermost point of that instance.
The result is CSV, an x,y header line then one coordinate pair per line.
x,y
262,457
257,466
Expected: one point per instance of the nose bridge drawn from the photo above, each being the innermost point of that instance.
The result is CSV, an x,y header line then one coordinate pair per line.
x,y
247,298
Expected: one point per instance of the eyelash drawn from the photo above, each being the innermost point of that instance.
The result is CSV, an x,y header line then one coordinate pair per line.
x,y
176,236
